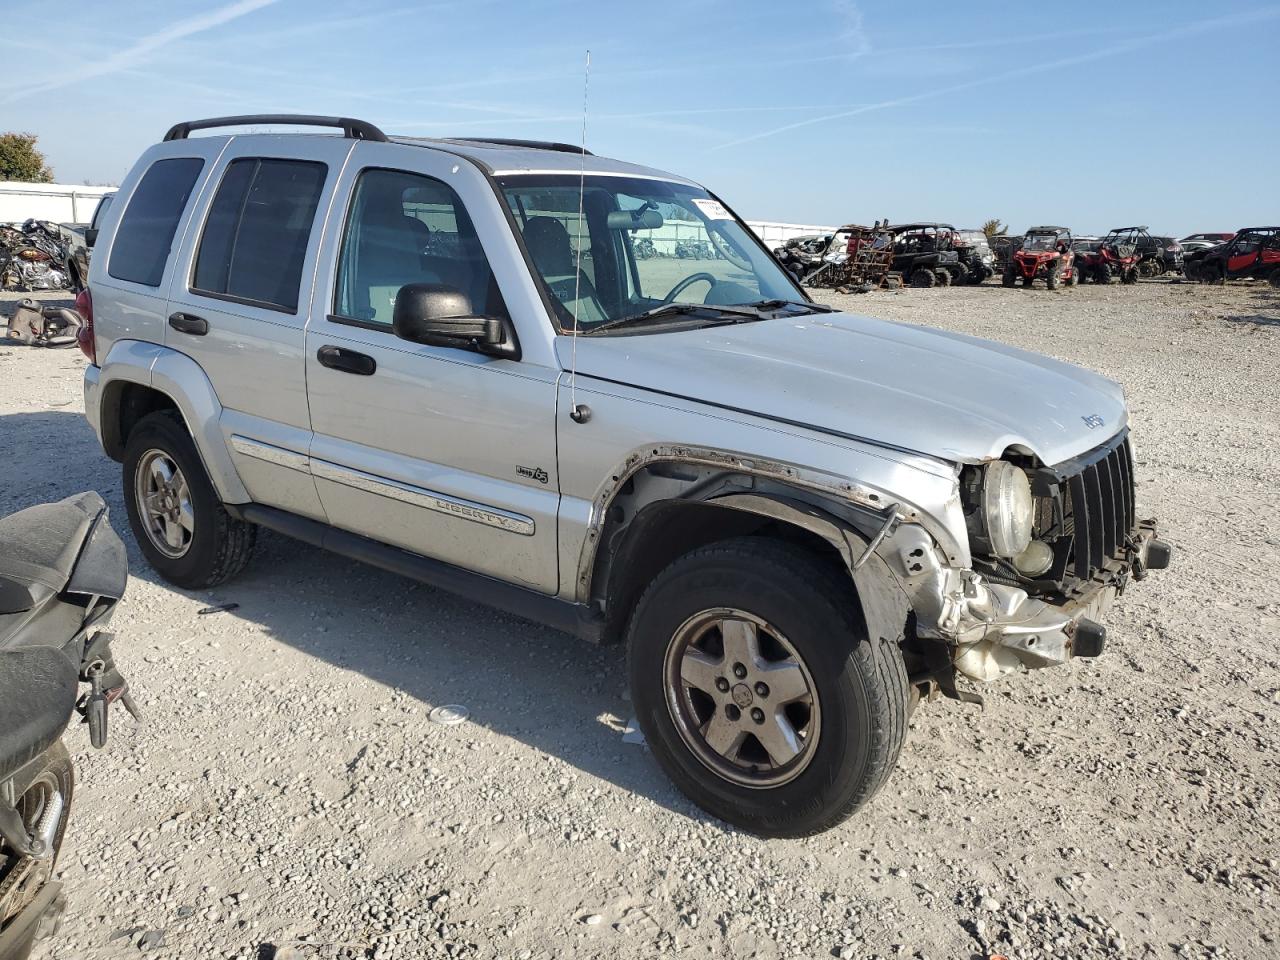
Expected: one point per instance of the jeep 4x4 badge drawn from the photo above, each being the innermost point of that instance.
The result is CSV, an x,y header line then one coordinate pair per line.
x,y
1093,421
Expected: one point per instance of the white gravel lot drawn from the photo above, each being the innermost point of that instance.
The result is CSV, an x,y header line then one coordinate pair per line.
x,y
288,796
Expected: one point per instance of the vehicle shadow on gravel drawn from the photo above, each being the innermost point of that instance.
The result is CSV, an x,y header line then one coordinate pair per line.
x,y
560,695
1267,301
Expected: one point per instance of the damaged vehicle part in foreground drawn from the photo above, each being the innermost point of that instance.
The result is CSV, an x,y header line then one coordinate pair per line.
x,y
798,520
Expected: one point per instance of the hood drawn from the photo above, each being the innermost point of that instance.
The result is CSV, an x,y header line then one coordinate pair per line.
x,y
913,388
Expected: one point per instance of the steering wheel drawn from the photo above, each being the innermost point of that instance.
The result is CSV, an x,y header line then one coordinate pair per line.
x,y
688,281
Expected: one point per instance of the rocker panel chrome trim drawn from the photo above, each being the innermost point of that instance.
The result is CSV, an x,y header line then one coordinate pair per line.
x,y
270,453
427,499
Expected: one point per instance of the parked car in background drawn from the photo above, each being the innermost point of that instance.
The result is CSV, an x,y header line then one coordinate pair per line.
x,y
1213,239
1160,255
79,243
801,522
1251,254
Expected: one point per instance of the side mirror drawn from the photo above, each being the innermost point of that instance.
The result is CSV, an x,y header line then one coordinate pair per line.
x,y
442,316
90,236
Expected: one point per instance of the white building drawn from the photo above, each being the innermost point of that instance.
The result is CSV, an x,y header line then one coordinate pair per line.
x,y
59,202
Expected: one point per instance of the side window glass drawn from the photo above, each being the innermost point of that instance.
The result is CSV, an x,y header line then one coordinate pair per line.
x,y
100,210
142,241
256,234
408,228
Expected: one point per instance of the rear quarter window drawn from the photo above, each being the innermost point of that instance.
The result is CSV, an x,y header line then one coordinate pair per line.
x,y
145,234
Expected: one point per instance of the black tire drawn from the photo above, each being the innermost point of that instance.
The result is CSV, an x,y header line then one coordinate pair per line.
x,y
944,277
1008,278
220,545
923,277
1051,278
860,683
1274,279
1129,276
1102,273
55,771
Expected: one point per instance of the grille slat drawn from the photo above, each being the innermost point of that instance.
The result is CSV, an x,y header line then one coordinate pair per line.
x,y
1099,506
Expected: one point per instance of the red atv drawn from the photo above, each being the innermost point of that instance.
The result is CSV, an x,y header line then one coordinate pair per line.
x,y
1117,255
1253,253
1046,254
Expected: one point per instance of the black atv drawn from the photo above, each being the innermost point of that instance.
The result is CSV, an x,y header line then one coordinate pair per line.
x,y
1253,254
925,255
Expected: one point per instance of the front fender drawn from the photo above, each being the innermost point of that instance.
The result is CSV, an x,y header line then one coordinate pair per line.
x,y
182,380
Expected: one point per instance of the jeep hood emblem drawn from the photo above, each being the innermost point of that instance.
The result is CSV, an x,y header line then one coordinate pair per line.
x,y
1093,421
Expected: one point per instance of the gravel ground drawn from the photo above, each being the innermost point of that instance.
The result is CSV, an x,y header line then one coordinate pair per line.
x,y
289,796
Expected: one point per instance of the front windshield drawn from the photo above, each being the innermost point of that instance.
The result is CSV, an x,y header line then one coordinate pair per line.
x,y
1039,241
640,244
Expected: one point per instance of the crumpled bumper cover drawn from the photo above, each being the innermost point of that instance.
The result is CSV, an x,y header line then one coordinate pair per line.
x,y
998,629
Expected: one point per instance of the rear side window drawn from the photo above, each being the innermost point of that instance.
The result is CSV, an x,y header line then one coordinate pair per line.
x,y
256,236
142,241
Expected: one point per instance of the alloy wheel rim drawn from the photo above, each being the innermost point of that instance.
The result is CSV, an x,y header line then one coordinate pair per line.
x,y
742,698
164,504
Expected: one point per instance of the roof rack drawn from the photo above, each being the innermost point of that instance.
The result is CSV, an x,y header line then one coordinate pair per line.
x,y
351,129
531,144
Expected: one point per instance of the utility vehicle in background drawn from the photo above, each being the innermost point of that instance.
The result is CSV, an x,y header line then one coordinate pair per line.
x,y
1116,255
1047,254
1253,253
923,253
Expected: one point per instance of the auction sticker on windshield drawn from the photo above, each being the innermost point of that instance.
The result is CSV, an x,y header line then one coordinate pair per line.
x,y
712,209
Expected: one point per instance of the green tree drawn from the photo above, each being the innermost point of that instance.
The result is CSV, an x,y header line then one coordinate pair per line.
x,y
994,228
20,160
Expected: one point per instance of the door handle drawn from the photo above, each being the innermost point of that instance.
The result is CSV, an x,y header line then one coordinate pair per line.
x,y
189,323
348,361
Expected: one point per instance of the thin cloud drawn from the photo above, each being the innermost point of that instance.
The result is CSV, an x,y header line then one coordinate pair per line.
x,y
1138,42
140,51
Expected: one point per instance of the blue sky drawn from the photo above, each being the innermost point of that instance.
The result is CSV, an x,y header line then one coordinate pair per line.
x,y
1089,114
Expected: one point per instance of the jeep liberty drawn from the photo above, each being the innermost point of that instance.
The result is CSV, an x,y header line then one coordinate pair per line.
x,y
445,357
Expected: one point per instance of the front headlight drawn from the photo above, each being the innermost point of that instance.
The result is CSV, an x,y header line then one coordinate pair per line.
x,y
1007,509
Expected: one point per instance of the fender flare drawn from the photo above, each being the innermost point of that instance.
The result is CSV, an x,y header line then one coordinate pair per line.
x,y
181,379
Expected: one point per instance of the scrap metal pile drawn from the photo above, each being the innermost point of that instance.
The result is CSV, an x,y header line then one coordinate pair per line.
x,y
33,257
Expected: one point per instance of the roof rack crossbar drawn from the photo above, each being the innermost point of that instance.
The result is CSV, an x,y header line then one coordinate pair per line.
x,y
351,129
532,144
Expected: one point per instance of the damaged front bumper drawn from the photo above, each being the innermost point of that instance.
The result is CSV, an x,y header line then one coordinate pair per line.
x,y
992,628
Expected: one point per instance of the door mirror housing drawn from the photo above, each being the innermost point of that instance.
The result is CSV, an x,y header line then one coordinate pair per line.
x,y
90,236
442,316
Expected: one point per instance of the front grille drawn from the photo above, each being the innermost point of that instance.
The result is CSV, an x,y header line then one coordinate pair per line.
x,y
1098,507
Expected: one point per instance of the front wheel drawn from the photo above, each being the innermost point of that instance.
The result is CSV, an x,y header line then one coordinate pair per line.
x,y
923,277
1009,278
182,527
759,691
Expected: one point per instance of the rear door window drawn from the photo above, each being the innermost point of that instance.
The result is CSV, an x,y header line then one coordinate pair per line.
x,y
255,238
143,239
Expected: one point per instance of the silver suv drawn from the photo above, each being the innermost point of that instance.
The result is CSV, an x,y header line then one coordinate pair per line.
x,y
582,391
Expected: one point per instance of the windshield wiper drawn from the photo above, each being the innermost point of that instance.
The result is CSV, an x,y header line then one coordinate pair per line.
x,y
728,314
779,304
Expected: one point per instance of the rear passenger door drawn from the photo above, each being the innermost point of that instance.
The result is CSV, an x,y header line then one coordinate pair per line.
x,y
239,303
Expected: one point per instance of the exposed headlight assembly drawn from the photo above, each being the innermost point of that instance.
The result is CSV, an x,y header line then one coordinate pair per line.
x,y
1002,510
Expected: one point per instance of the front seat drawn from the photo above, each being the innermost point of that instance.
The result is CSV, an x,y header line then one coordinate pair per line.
x,y
391,252
548,243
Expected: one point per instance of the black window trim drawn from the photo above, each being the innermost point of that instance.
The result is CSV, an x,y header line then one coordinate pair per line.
x,y
332,316
204,223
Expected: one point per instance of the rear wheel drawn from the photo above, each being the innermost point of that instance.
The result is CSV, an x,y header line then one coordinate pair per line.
x,y
1274,279
923,277
759,691
1102,273
46,792
1129,276
182,527
1008,278
944,277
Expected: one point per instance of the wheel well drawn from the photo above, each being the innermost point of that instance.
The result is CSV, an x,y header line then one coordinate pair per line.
x,y
641,539
123,405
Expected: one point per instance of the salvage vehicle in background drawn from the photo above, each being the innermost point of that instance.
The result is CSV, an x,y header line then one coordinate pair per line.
x,y
924,255
1115,256
79,244
1047,254
801,255
1158,256
693,458
1253,253
977,260
62,572
1200,240
32,257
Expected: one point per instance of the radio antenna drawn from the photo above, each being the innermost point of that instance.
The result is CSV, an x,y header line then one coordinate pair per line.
x,y
579,414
